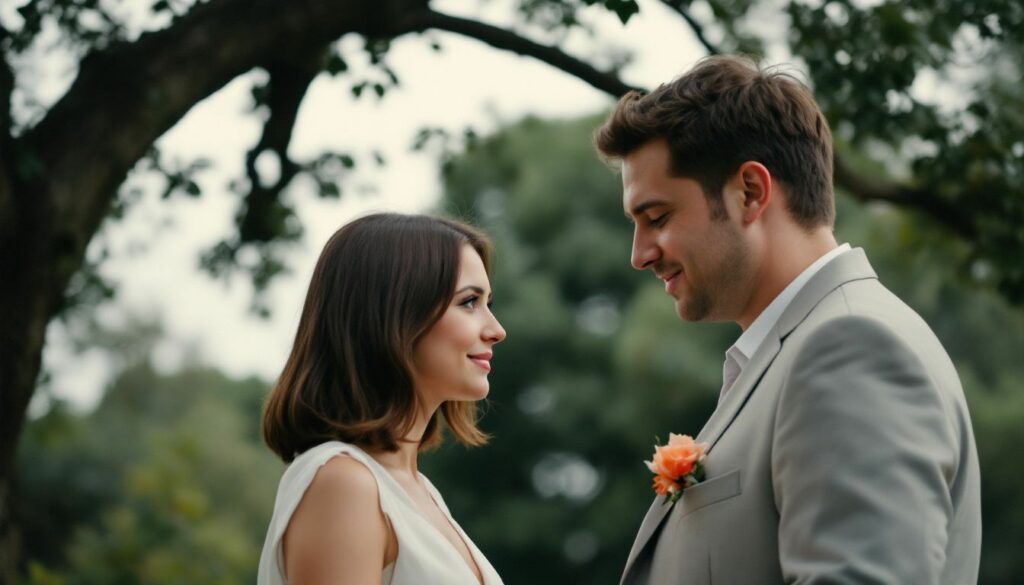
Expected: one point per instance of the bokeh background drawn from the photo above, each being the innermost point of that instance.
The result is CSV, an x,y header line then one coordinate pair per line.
x,y
141,460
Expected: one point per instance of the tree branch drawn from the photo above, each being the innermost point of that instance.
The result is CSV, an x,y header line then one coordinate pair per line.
x,y
129,94
290,78
867,189
678,7
500,38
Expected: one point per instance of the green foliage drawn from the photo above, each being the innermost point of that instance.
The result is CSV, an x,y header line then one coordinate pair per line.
x,y
997,408
84,22
167,482
561,15
869,64
624,9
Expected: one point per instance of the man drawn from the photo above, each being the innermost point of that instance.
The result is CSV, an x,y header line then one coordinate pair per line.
x,y
841,450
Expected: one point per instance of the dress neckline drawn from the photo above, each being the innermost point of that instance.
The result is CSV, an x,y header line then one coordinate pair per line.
x,y
434,496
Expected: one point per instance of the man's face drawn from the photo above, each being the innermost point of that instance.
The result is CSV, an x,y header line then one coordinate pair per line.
x,y
705,263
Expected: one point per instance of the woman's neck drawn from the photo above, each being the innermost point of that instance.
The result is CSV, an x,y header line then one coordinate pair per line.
x,y
404,460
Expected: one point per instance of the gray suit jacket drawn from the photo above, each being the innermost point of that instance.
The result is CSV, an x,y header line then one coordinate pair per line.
x,y
842,454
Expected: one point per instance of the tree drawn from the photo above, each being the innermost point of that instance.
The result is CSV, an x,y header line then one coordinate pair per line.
x,y
60,173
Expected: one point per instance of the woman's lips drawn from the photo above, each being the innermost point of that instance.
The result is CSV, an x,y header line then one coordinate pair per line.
x,y
483,360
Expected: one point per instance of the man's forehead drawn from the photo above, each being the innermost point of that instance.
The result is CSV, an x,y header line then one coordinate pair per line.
x,y
644,173
640,191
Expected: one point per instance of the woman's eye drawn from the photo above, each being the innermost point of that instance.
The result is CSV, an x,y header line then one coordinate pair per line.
x,y
470,303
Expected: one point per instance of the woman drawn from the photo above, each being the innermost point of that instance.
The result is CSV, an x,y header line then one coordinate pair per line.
x,y
396,328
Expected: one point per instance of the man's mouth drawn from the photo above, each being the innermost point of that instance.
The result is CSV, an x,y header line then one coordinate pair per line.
x,y
670,279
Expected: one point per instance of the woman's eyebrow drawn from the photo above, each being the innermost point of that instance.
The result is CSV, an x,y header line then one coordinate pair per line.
x,y
478,290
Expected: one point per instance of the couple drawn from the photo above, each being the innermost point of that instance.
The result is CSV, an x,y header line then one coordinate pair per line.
x,y
841,450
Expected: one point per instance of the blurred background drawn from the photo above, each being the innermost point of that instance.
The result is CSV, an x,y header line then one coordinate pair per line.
x,y
140,460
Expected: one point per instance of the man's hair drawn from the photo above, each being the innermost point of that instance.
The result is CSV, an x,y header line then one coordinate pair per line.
x,y
381,283
725,111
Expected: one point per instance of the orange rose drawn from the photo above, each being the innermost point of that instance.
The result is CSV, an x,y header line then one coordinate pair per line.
x,y
676,459
677,466
664,485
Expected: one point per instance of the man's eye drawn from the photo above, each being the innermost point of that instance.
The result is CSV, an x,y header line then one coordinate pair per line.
x,y
656,221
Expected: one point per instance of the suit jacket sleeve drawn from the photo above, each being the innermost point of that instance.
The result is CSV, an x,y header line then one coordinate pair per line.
x,y
862,456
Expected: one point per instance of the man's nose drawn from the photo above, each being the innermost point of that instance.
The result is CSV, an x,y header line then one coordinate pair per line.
x,y
644,252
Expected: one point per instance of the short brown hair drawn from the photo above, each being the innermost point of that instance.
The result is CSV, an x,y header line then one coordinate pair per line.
x,y
725,111
382,281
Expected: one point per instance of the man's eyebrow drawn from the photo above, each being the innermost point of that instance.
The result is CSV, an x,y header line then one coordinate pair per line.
x,y
644,207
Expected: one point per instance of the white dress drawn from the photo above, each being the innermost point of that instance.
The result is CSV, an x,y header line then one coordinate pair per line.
x,y
425,557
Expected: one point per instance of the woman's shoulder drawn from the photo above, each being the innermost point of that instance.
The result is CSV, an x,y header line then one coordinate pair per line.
x,y
348,475
342,485
333,463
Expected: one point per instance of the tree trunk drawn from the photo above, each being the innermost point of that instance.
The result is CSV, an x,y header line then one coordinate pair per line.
x,y
29,296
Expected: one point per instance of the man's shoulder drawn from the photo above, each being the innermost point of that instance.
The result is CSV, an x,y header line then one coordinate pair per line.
x,y
867,300
866,312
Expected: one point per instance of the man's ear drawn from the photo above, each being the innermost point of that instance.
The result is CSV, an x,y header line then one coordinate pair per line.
x,y
755,182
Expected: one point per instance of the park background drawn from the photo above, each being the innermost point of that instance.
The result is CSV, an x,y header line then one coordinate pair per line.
x,y
141,461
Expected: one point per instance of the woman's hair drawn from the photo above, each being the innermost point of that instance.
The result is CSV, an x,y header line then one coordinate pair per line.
x,y
382,281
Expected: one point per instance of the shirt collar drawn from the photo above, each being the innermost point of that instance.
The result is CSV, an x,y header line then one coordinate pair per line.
x,y
754,336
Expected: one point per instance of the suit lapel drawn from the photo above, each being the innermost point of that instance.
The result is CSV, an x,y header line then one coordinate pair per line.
x,y
736,397
655,514
843,269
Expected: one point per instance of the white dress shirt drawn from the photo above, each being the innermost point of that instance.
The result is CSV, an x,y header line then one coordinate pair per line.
x,y
737,356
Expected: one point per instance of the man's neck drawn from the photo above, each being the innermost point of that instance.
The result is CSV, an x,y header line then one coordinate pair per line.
x,y
785,258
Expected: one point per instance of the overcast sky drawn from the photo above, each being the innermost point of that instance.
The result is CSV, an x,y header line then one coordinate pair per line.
x,y
156,247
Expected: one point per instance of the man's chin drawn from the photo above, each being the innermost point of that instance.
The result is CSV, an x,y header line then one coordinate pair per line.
x,y
693,310
683,312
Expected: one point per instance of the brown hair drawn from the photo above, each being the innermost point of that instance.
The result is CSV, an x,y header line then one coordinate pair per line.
x,y
382,281
725,111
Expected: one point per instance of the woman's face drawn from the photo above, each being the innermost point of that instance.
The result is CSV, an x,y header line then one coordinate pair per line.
x,y
452,360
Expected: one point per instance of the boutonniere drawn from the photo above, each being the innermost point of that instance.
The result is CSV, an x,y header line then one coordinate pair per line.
x,y
677,466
